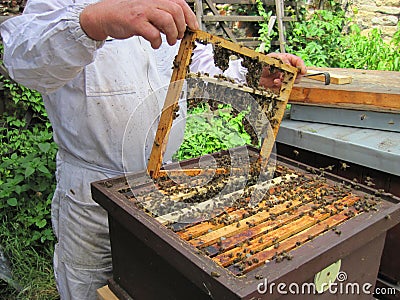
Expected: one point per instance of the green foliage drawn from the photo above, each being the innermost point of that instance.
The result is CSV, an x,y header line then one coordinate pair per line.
x,y
321,41
27,166
369,52
27,183
24,99
207,132
265,35
317,39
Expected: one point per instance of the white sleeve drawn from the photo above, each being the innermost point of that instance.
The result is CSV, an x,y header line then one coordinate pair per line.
x,y
45,47
203,62
236,71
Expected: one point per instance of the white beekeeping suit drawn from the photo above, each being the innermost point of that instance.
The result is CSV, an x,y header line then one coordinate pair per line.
x,y
91,90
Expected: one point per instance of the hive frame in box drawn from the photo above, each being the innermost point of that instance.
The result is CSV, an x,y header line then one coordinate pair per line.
x,y
146,253
180,73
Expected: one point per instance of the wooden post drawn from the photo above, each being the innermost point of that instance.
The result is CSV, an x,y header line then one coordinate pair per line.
x,y
198,8
281,27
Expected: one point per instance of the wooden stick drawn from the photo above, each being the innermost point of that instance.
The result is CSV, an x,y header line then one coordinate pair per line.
x,y
192,172
302,237
170,105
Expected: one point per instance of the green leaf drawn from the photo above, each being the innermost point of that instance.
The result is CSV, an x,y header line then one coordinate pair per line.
x,y
44,147
43,169
41,223
12,202
29,171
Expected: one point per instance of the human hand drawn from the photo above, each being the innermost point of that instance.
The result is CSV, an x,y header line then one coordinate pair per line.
x,y
274,79
122,19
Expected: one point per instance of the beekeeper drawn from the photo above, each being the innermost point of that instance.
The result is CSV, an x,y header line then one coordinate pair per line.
x,y
96,65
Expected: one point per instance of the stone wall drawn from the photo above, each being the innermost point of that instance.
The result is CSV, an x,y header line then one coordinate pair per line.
x,y
382,14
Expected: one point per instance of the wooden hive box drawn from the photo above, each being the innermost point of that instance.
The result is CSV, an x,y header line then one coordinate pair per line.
x,y
307,221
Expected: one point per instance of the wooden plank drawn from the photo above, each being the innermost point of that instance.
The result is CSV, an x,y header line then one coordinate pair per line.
x,y
231,85
192,172
239,18
105,293
234,229
255,232
198,8
334,78
215,11
249,2
235,18
281,28
206,205
204,227
369,90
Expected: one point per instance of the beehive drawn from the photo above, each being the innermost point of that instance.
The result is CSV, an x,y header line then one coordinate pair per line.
x,y
188,232
227,253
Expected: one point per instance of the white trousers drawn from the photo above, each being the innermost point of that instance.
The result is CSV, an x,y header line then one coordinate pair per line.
x,y
82,257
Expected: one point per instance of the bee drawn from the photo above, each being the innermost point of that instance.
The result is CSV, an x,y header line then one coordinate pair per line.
x,y
344,166
215,274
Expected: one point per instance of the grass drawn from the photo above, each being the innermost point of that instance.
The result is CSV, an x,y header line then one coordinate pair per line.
x,y
32,270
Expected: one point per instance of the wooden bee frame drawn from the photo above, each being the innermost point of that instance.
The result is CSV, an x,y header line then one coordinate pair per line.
x,y
223,49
